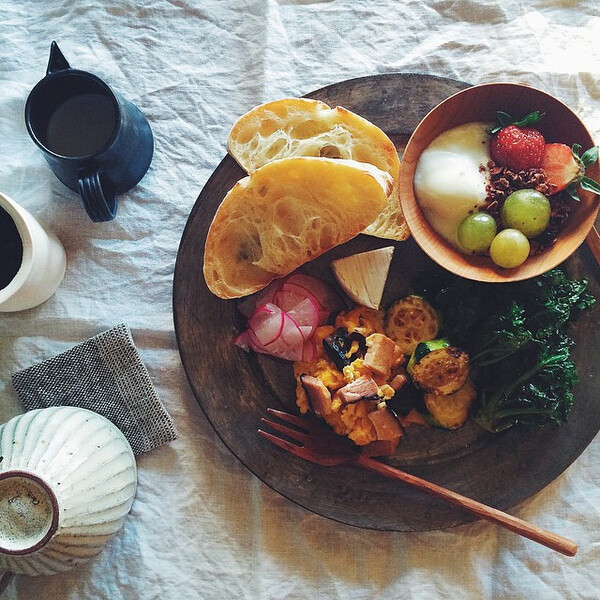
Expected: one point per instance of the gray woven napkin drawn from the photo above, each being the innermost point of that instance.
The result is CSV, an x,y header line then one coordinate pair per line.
x,y
104,374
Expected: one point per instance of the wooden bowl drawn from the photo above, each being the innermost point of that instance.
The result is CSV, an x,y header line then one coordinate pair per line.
x,y
480,103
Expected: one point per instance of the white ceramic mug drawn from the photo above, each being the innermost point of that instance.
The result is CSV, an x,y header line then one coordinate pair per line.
x,y
42,266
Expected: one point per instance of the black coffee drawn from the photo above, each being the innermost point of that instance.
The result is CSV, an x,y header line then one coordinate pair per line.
x,y
11,249
81,125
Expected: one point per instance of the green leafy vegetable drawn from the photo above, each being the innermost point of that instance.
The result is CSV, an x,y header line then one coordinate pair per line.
x,y
516,338
500,336
543,392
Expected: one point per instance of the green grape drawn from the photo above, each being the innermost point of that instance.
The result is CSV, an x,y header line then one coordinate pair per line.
x,y
509,248
476,232
526,210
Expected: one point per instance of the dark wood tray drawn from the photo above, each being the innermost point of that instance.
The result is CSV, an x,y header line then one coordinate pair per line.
x,y
234,389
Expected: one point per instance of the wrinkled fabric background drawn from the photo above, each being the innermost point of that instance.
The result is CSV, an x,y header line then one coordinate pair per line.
x,y
201,525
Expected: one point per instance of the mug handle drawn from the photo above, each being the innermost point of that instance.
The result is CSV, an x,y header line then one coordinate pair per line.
x,y
100,201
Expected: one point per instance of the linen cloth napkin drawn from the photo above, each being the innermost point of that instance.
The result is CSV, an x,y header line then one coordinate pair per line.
x,y
104,374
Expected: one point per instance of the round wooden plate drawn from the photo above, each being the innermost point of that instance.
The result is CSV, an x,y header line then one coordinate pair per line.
x,y
234,389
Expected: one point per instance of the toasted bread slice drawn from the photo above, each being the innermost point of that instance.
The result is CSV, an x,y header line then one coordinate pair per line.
x,y
285,214
305,127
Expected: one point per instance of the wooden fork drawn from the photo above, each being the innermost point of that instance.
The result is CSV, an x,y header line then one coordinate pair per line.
x,y
322,446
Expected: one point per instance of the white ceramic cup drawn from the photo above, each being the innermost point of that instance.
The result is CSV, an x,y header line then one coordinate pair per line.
x,y
43,264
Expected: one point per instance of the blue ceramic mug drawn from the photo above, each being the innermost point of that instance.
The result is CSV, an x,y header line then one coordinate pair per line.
x,y
96,142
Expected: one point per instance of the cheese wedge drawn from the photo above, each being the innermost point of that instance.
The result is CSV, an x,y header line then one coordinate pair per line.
x,y
363,276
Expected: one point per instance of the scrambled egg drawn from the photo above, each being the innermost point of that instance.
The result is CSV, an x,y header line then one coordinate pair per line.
x,y
347,419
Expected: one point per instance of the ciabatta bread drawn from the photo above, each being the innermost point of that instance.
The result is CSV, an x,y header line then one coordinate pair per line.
x,y
285,214
305,127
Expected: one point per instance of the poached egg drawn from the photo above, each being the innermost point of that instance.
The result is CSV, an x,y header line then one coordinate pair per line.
x,y
451,177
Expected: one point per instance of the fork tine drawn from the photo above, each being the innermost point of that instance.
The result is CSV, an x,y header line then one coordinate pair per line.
x,y
293,433
292,448
297,421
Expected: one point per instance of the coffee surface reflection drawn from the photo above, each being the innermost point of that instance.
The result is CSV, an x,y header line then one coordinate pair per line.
x,y
81,125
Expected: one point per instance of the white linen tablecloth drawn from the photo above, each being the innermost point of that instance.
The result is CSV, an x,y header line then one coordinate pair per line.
x,y
202,526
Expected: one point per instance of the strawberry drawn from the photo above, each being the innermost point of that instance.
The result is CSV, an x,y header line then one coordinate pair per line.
x,y
518,148
565,169
561,166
